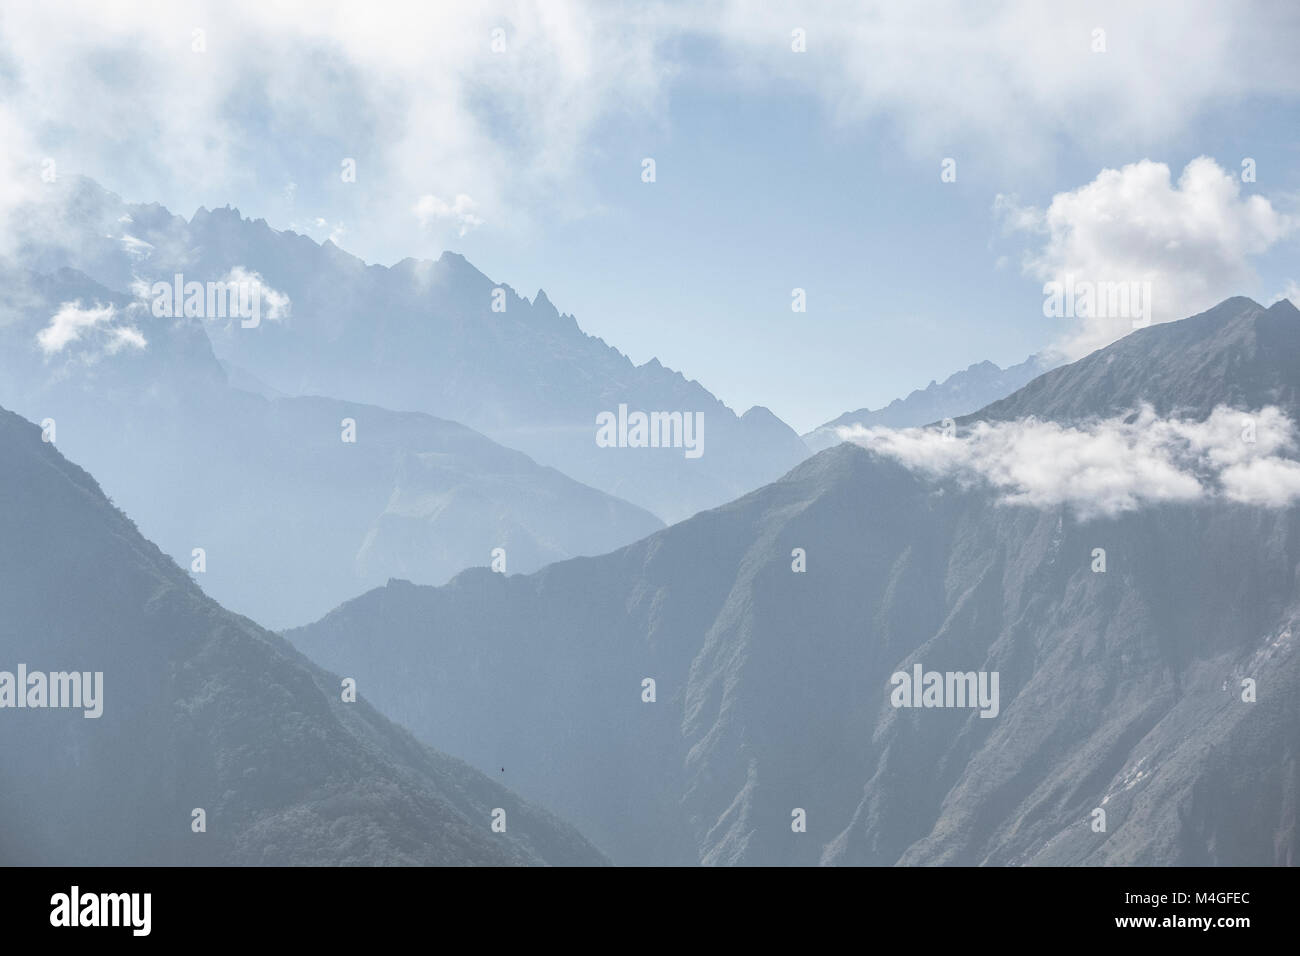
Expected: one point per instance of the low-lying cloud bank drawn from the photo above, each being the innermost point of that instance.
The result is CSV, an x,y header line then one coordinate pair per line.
x,y
1108,466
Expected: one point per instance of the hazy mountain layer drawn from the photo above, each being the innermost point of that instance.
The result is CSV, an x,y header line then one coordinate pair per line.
x,y
437,337
201,709
291,518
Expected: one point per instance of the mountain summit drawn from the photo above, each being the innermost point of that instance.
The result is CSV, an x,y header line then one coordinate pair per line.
x,y
1238,353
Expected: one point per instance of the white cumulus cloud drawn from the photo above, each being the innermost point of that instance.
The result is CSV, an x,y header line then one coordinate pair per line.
x,y
1190,242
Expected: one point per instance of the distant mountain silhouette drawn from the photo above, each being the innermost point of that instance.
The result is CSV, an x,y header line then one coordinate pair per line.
x,y
291,518
959,394
202,709
1119,691
423,336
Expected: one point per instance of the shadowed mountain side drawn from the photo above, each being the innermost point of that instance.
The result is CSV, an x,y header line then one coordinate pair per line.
x,y
773,686
1119,690
1237,353
202,709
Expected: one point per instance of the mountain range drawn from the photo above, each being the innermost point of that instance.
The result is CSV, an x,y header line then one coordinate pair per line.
x,y
430,336
959,394
288,515
1124,733
742,687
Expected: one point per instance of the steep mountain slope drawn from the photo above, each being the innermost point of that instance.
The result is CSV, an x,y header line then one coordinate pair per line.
x,y
959,394
201,709
1239,353
425,336
1120,691
290,516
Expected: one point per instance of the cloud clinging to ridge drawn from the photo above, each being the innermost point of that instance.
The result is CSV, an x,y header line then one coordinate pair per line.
x,y
1110,466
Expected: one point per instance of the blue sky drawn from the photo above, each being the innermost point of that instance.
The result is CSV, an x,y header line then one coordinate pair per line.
x,y
774,169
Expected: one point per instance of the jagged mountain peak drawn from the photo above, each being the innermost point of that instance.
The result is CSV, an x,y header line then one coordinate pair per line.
x,y
543,303
436,336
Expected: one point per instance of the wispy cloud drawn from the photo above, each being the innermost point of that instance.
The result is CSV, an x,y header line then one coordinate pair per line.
x,y
943,72
98,330
504,100
500,98
69,323
275,305
460,211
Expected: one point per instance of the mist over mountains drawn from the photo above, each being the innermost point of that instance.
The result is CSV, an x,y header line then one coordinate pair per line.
x,y
1122,689
564,433
289,516
678,694
420,336
201,709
